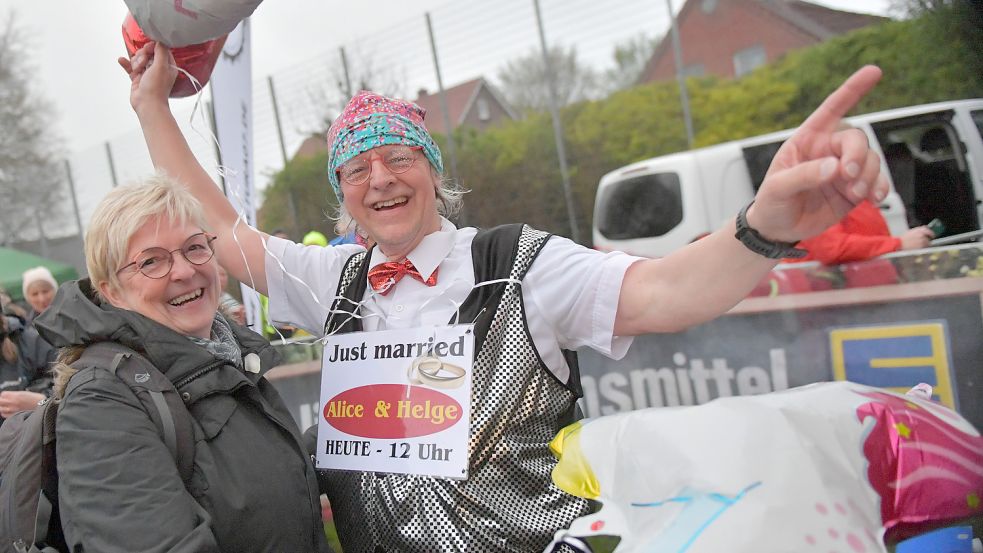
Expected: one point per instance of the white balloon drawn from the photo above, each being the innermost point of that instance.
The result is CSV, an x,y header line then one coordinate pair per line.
x,y
772,473
183,22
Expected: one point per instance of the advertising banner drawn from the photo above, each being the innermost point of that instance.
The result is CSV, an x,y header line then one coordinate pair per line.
x,y
916,336
894,345
232,99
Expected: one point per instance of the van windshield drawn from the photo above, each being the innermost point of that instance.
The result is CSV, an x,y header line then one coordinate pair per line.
x,y
640,207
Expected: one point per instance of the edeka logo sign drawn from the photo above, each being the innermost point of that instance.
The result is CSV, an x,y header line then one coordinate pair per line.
x,y
391,411
895,357
691,381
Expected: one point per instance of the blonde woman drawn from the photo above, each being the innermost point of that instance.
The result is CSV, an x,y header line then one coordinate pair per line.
x,y
154,288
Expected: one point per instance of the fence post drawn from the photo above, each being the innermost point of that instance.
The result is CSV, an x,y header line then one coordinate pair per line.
x,y
677,52
348,77
75,201
448,125
557,128
112,166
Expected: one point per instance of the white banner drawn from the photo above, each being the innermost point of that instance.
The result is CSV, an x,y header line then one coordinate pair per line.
x,y
397,401
232,102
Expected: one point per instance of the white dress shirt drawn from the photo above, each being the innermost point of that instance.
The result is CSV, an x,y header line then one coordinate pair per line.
x,y
570,293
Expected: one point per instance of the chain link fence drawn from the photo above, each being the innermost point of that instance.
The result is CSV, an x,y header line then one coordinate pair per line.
x,y
464,41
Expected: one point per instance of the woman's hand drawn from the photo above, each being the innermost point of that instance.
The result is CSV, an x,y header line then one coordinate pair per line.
x,y
15,402
822,171
152,73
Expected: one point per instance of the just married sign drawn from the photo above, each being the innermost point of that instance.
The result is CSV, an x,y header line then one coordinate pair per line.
x,y
397,401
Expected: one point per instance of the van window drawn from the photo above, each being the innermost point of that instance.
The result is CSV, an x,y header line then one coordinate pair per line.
x,y
978,119
640,207
758,159
925,157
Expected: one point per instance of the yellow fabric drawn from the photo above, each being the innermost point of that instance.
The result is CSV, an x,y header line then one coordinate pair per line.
x,y
268,329
573,473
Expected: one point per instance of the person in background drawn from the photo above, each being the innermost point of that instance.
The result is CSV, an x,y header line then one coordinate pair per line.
x,y
25,363
38,286
557,296
153,287
227,304
860,235
9,307
315,238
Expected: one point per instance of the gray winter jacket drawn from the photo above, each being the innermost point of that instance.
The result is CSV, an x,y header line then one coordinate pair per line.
x,y
30,371
253,486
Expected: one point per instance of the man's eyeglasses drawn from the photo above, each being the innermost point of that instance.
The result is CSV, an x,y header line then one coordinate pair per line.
x,y
157,262
398,159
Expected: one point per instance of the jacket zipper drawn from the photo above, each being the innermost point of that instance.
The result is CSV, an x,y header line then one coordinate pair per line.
x,y
316,508
198,374
208,368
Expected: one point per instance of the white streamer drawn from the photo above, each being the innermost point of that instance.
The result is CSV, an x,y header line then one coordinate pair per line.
x,y
224,172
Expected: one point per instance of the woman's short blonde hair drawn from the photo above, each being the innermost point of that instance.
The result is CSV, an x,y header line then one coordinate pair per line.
x,y
121,214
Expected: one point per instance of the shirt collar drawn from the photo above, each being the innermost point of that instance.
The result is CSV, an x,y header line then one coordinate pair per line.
x,y
432,250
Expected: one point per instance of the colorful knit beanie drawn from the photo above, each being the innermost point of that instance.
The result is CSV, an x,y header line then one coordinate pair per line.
x,y
369,121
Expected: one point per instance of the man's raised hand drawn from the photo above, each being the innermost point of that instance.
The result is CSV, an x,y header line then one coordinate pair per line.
x,y
822,170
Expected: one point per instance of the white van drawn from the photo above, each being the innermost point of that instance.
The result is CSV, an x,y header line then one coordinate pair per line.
x,y
933,154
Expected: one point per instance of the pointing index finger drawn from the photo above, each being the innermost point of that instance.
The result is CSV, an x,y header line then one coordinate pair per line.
x,y
828,115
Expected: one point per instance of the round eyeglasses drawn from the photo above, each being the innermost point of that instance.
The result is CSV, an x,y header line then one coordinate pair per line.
x,y
157,262
397,159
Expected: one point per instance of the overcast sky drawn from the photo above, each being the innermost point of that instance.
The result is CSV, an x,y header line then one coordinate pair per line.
x,y
74,48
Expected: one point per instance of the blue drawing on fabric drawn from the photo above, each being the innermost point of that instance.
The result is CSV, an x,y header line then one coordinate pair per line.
x,y
701,509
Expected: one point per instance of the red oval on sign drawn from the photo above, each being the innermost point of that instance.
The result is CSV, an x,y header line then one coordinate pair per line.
x,y
388,411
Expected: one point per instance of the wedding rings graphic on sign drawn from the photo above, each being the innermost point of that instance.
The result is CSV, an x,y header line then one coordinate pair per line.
x,y
429,370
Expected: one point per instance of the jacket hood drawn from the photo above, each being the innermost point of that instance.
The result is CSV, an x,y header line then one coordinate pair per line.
x,y
79,317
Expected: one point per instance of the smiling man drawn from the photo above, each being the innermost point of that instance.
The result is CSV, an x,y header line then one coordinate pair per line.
x,y
533,298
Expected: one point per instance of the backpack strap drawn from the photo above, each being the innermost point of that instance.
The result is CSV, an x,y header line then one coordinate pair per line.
x,y
157,396
48,494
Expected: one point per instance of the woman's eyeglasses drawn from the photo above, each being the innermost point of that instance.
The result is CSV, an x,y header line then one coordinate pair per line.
x,y
398,159
157,262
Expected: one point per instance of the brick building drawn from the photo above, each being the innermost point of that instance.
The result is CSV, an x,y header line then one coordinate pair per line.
x,y
730,38
474,103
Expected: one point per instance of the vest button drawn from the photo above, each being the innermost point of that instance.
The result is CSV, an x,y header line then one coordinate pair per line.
x,y
186,397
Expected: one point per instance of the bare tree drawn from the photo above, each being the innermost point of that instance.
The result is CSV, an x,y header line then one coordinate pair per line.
x,y
365,72
526,87
630,58
31,188
914,8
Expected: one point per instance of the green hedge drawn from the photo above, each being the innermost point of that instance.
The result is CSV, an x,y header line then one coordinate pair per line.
x,y
512,169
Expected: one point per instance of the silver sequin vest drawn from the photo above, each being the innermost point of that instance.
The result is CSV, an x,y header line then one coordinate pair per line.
x,y
508,503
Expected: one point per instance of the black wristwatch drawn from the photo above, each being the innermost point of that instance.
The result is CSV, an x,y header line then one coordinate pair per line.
x,y
761,245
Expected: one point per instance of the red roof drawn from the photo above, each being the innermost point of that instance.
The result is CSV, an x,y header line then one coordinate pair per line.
x,y
835,22
460,98
818,22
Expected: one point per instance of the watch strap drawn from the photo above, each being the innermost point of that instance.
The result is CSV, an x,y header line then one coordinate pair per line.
x,y
760,245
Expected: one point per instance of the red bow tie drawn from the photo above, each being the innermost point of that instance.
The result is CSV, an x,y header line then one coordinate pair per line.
x,y
384,276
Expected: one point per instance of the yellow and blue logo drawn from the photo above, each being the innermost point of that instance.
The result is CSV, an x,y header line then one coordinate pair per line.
x,y
895,357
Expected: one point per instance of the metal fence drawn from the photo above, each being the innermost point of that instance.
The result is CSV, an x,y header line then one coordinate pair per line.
x,y
465,40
